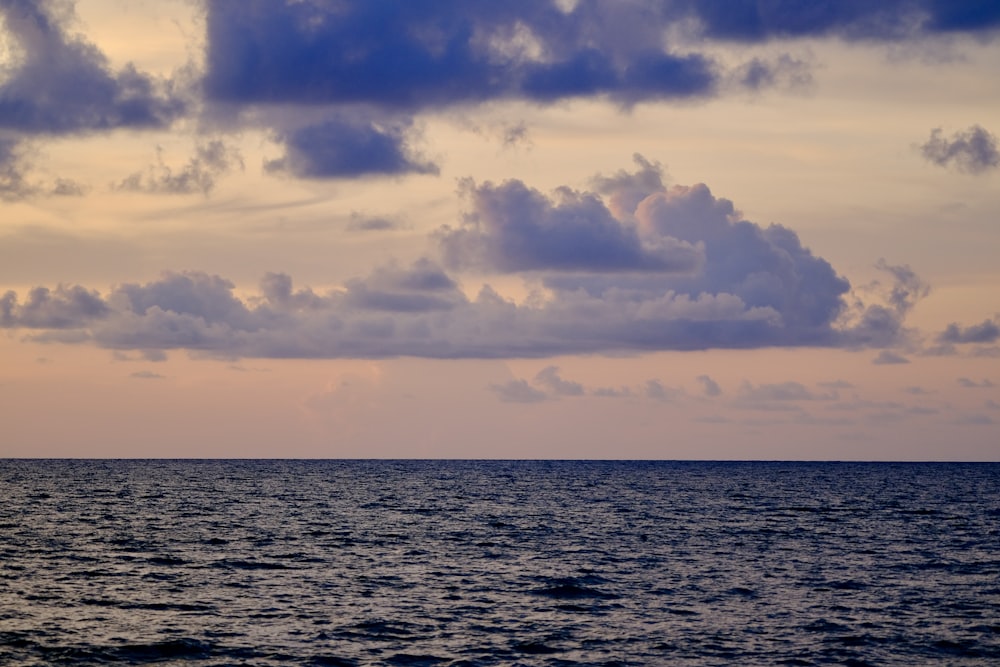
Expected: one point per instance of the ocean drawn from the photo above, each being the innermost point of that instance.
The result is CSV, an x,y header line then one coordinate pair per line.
x,y
558,563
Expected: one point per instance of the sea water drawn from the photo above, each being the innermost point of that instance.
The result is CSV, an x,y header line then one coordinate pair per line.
x,y
498,563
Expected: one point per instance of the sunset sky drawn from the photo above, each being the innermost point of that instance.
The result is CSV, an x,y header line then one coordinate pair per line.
x,y
654,229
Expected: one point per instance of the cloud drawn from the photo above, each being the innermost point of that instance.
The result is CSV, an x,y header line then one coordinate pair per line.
x,y
420,288
625,189
783,72
516,228
972,151
67,187
889,20
65,307
975,419
548,384
155,356
549,378
985,332
362,223
345,148
412,56
615,392
709,386
210,161
782,391
656,391
879,321
518,391
888,358
836,384
13,182
762,272
147,375
753,287
972,384
60,83
515,135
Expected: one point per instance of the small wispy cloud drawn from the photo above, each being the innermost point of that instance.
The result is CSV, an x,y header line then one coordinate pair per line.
x,y
972,151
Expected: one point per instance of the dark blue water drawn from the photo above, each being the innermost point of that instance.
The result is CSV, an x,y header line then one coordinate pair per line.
x,y
498,563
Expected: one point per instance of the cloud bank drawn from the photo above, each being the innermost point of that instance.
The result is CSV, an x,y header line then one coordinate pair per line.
x,y
681,270
412,56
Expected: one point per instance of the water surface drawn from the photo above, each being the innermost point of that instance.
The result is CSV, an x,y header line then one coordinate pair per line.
x,y
498,563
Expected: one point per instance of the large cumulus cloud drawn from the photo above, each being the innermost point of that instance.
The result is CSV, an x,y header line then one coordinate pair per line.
x,y
516,228
653,245
602,283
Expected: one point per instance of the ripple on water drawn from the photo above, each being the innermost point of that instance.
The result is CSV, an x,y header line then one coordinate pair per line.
x,y
498,563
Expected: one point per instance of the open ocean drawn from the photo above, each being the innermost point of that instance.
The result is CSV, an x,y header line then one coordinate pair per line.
x,y
498,563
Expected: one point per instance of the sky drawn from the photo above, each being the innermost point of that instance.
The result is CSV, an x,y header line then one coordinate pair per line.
x,y
591,229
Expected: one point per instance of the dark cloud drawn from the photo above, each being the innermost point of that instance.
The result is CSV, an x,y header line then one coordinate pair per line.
x,y
985,332
411,56
345,148
972,151
757,21
211,160
62,84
